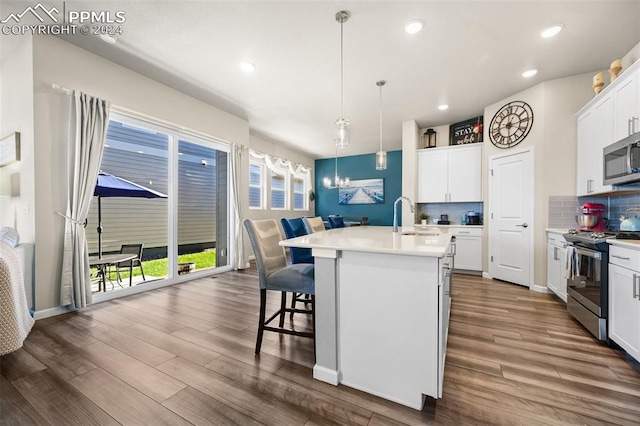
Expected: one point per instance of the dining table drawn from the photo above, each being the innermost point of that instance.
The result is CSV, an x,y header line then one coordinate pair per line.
x,y
102,263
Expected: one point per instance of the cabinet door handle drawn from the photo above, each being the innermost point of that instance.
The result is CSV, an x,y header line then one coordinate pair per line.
x,y
620,257
633,125
464,232
629,127
555,253
635,281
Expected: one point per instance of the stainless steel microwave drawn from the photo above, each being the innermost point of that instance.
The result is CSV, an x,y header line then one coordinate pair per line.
x,y
622,161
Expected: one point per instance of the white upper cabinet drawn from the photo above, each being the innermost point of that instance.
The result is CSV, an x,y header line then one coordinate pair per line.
x,y
626,106
610,116
432,176
451,174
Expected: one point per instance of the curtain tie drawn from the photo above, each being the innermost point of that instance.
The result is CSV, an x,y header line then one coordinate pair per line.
x,y
74,221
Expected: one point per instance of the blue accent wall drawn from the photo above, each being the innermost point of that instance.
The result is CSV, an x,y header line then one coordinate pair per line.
x,y
360,167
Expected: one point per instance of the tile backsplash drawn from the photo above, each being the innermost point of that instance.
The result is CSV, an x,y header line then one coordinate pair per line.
x,y
454,210
618,205
562,212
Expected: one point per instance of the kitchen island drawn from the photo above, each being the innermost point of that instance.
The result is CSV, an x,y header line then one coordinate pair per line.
x,y
382,309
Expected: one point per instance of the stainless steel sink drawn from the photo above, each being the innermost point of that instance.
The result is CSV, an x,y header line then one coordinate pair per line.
x,y
421,234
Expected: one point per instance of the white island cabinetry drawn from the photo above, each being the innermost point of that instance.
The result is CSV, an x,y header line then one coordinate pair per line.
x,y
382,310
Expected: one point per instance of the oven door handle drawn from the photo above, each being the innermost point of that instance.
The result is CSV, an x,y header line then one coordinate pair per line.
x,y
588,253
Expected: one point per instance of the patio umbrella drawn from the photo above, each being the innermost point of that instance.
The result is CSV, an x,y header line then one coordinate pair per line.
x,y
114,186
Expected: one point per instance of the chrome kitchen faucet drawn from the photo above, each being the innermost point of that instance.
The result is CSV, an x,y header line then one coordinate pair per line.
x,y
395,211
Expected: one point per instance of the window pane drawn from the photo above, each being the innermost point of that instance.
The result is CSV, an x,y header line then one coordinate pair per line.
x,y
277,181
277,199
255,174
255,200
138,155
202,205
298,185
298,201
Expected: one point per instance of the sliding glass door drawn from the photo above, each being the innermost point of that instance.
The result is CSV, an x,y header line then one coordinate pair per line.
x,y
186,232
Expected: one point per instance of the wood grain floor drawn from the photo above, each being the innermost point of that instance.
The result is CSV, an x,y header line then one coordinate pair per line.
x,y
184,355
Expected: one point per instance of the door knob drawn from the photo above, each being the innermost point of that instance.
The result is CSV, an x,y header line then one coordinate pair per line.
x,y
524,225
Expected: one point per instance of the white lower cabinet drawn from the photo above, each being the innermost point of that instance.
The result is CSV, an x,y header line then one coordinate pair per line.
x,y
556,265
468,249
624,299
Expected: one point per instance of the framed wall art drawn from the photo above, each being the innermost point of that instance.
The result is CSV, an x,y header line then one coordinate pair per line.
x,y
464,132
364,191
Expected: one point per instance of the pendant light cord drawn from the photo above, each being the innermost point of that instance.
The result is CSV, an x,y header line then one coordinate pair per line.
x,y
342,70
380,117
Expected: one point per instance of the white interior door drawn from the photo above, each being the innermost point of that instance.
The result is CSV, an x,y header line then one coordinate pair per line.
x,y
511,217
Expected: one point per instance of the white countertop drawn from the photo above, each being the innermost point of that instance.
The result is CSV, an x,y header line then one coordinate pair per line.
x,y
453,225
634,244
375,239
557,231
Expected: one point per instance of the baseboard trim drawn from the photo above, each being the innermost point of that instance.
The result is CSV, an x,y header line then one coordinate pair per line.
x,y
325,375
539,288
52,312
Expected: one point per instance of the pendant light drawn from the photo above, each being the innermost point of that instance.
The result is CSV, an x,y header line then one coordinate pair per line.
x,y
381,156
337,181
342,124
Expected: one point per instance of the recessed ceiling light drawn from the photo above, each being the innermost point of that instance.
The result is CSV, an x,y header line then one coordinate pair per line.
x,y
529,73
108,38
551,31
443,107
414,26
247,67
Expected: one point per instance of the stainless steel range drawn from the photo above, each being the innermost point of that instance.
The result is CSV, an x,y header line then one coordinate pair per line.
x,y
587,280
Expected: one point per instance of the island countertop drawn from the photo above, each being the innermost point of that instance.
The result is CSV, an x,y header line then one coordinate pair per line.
x,y
376,239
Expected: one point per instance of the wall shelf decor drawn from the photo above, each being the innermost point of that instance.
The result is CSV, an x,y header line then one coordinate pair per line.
x,y
10,149
465,132
364,191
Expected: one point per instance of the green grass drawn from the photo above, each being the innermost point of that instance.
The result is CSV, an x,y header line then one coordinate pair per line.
x,y
160,267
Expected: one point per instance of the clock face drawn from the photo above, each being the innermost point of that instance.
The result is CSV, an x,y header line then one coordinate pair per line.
x,y
511,124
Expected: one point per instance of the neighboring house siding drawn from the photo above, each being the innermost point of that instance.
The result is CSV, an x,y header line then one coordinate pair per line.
x,y
141,220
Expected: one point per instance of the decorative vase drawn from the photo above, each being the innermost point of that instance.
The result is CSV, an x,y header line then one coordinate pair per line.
x,y
616,67
423,221
598,83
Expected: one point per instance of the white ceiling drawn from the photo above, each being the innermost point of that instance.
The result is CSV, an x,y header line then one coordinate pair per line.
x,y
471,54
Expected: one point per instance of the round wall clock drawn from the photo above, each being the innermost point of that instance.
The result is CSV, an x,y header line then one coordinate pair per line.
x,y
511,124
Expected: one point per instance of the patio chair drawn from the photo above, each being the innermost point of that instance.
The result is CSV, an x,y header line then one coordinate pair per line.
x,y
130,264
274,274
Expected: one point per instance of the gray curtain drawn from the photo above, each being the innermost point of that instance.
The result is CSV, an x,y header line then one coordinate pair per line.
x,y
239,173
89,122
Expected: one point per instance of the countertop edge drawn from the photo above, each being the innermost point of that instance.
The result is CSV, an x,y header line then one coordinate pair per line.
x,y
632,244
556,231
